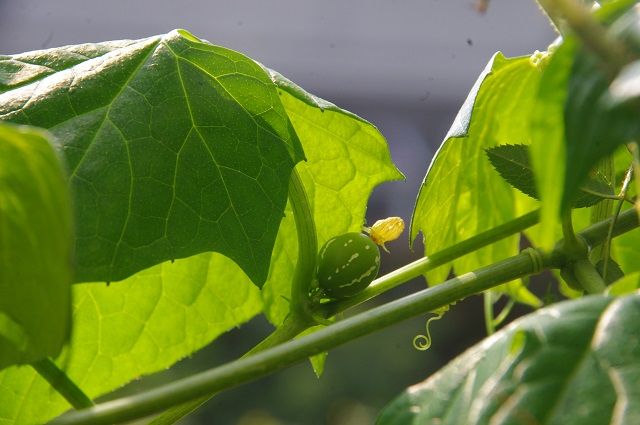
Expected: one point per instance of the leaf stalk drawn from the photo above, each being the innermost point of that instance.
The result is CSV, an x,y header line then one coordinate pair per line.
x,y
61,382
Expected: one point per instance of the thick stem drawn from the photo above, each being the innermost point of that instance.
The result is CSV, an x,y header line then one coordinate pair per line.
x,y
307,249
573,247
61,382
571,244
281,356
588,277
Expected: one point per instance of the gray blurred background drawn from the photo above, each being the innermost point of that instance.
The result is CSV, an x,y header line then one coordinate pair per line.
x,y
406,66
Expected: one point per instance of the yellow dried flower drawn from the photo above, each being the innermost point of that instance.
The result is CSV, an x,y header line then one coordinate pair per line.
x,y
386,230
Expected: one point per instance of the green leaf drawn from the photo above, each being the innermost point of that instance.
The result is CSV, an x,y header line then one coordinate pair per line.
x,y
514,165
594,128
625,285
548,150
347,158
597,119
577,362
462,195
549,124
141,325
175,146
188,303
614,272
36,243
626,251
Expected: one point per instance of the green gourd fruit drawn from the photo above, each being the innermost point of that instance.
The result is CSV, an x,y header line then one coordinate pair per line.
x,y
347,264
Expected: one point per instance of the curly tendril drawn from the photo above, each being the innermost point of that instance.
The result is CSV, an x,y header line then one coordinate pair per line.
x,y
423,342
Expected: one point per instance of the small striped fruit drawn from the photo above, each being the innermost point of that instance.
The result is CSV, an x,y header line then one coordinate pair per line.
x,y
347,264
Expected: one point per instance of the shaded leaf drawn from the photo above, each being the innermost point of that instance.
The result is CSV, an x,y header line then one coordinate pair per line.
x,y
577,362
36,243
175,146
596,126
614,272
462,195
594,129
514,165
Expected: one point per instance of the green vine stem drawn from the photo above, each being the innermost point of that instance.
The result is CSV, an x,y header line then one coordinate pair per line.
x,y
491,321
300,317
572,245
307,250
284,355
488,313
606,246
378,286
588,277
61,382
281,356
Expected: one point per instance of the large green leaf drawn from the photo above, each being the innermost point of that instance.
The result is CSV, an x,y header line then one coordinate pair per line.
x,y
548,151
36,243
135,327
183,306
575,363
346,158
626,250
462,194
175,146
